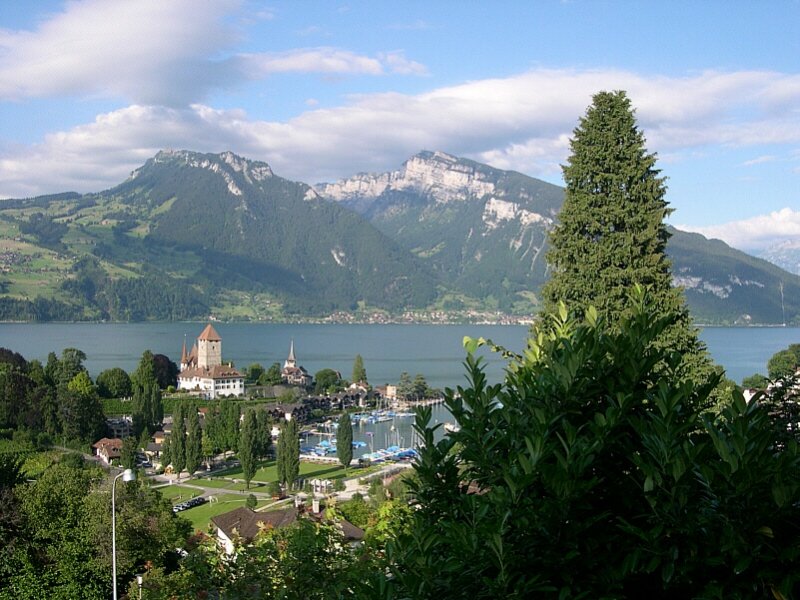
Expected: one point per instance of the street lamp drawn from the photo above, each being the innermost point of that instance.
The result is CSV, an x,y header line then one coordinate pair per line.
x,y
127,475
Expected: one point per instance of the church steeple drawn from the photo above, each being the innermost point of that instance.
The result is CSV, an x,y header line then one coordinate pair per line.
x,y
291,361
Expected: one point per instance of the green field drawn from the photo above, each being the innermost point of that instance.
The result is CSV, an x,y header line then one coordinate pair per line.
x,y
177,493
269,471
199,516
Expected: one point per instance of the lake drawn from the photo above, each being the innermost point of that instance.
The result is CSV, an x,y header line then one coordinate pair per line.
x,y
432,350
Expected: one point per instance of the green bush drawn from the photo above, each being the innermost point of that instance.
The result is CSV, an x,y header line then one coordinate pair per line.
x,y
594,472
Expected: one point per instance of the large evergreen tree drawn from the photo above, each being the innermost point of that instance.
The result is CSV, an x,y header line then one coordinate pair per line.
x,y
194,438
344,440
178,442
288,453
359,372
248,446
263,433
611,233
148,409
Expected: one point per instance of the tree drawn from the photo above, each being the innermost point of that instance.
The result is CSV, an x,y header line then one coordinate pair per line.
x,y
263,433
359,372
229,425
81,412
420,387
755,381
148,408
248,443
194,449
254,372
165,370
288,453
784,363
405,387
272,376
128,453
177,445
344,441
114,383
327,380
594,457
611,233
166,452
208,448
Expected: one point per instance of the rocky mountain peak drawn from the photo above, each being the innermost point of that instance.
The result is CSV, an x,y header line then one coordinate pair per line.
x,y
442,177
226,164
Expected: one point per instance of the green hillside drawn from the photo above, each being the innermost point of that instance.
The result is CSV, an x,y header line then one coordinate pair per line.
x,y
188,235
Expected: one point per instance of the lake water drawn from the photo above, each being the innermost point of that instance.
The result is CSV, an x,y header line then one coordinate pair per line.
x,y
433,350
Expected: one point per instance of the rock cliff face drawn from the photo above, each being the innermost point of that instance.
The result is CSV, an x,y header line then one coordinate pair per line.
x,y
785,254
482,229
442,177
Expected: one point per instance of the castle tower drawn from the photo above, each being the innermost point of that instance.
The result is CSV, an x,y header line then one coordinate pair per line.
x,y
209,348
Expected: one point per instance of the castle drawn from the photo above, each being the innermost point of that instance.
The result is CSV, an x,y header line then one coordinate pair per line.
x,y
202,371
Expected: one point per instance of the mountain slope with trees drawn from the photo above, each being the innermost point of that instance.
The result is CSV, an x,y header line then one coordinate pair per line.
x,y
484,232
190,235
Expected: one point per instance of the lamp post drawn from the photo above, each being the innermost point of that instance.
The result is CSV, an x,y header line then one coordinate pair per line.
x,y
127,475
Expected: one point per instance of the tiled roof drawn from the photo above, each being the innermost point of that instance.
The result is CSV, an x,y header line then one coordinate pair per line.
x,y
247,523
108,442
215,372
210,334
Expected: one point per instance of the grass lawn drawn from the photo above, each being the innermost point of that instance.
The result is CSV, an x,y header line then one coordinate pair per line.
x,y
227,484
269,471
199,516
177,493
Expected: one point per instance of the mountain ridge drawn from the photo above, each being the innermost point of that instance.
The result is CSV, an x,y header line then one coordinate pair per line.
x,y
188,235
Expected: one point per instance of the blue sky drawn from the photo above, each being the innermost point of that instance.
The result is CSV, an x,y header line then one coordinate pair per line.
x,y
320,90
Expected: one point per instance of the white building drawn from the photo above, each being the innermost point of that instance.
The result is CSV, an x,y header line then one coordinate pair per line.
x,y
202,371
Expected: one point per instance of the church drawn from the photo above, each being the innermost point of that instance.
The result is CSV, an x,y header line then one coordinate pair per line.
x,y
202,371
293,374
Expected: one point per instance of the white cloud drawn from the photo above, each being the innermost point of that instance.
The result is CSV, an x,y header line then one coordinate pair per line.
x,y
522,122
759,160
309,60
154,52
755,233
149,51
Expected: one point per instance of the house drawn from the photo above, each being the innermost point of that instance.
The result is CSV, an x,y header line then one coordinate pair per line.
x,y
244,524
202,371
293,374
108,449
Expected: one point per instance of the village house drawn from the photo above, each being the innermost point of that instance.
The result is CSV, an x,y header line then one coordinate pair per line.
x,y
202,371
108,449
243,524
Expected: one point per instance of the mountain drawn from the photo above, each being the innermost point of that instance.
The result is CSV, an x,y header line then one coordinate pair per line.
x,y
193,233
483,231
785,254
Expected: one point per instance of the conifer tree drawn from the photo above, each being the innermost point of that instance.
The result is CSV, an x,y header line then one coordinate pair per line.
x,y
178,443
344,440
194,449
248,443
611,233
263,433
359,372
288,453
148,410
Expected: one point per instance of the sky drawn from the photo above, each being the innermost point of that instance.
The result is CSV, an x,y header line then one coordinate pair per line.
x,y
90,89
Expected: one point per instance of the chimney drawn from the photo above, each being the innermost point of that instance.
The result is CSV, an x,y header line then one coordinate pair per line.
x,y
315,505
